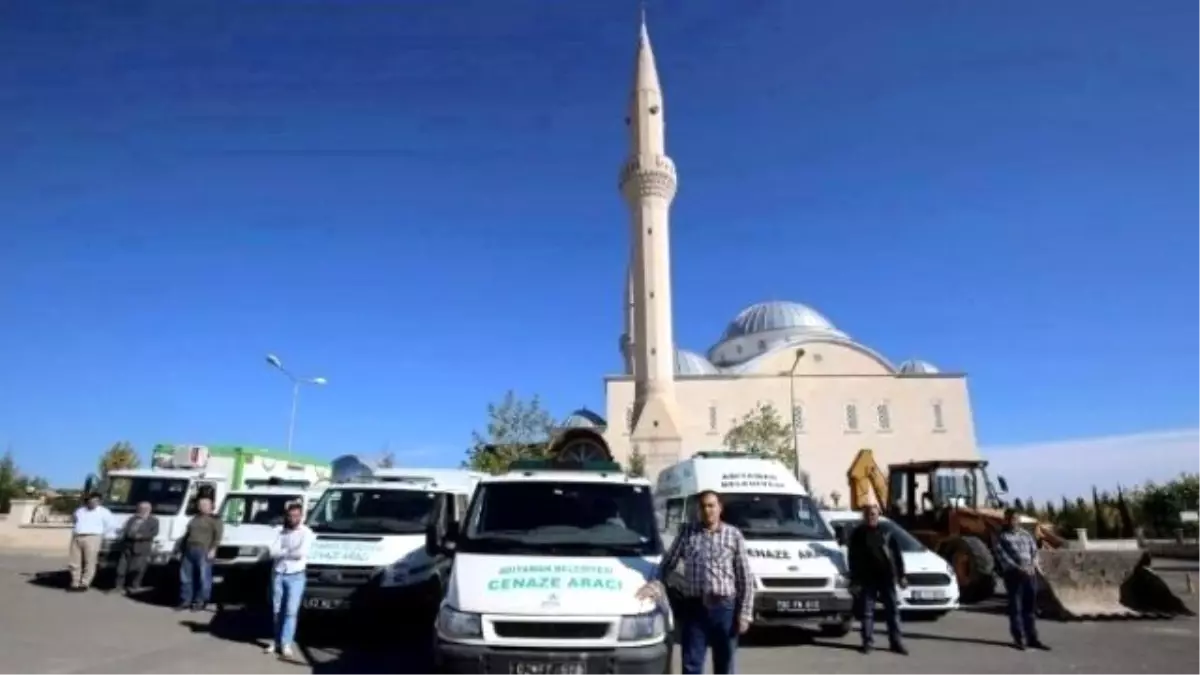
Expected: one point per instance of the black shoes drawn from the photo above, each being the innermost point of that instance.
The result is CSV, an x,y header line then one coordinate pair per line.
x,y
1033,644
896,648
77,589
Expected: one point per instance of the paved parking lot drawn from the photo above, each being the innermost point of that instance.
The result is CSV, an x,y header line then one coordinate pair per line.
x,y
43,629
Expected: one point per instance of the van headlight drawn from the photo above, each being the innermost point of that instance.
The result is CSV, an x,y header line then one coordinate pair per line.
x,y
455,624
642,627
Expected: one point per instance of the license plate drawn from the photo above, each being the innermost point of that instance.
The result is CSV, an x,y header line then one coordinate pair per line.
x,y
929,595
567,668
798,606
321,603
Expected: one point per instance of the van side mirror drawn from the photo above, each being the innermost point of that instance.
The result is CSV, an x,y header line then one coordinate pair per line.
x,y
433,545
450,538
1003,483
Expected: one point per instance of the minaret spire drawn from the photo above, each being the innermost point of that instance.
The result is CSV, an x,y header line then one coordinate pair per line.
x,y
648,183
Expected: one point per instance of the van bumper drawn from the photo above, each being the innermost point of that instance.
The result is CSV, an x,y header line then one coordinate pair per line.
x,y
453,657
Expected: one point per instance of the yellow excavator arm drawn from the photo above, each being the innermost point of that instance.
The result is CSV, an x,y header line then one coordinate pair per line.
x,y
866,478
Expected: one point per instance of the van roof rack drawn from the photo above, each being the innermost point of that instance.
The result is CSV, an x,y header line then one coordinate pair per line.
x,y
565,465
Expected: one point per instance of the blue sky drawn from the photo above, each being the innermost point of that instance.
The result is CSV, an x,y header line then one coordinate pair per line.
x,y
418,201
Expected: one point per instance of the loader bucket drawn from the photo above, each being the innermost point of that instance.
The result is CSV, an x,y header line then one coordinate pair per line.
x,y
1083,585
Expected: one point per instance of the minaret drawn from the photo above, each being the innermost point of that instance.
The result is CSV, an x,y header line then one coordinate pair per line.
x,y
648,184
628,308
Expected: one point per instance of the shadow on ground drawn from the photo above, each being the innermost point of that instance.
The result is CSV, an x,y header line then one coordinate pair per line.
x,y
326,644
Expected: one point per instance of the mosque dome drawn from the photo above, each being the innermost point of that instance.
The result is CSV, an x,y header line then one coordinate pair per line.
x,y
691,363
918,367
765,317
584,419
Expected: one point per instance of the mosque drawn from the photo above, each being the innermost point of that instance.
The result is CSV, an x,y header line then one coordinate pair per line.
x,y
670,403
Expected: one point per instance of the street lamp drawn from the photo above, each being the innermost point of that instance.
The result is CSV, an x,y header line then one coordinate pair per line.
x,y
792,411
296,382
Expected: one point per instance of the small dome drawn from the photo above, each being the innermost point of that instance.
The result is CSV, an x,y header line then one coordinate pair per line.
x,y
765,317
691,363
584,419
918,367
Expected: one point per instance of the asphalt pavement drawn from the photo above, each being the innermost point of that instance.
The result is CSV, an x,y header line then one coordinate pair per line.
x,y
44,629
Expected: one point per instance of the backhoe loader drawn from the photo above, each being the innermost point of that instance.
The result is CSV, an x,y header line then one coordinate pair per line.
x,y
953,508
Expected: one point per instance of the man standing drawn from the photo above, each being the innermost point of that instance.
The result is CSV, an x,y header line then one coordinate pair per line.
x,y
137,543
199,548
90,522
1016,553
718,592
290,555
876,568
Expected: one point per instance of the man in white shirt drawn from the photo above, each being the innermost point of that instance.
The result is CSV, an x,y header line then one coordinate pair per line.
x,y
290,555
90,522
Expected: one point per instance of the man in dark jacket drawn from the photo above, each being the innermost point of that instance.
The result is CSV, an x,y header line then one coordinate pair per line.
x,y
137,543
204,532
876,568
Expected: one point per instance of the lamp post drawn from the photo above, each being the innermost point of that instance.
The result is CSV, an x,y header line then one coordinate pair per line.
x,y
792,412
296,383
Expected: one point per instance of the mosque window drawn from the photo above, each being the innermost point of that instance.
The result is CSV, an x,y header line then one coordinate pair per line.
x,y
939,424
798,418
712,419
883,416
851,417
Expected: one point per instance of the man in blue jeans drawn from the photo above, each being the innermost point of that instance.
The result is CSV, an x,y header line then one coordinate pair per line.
x,y
290,555
1016,553
200,543
718,591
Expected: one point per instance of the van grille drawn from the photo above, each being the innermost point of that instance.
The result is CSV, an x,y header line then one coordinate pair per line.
x,y
538,630
330,575
928,579
794,582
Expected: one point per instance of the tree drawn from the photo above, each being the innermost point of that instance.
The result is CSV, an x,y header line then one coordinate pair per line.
x,y
763,431
16,485
637,463
516,430
120,456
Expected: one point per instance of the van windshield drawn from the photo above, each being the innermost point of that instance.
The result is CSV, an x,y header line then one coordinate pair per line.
x,y
569,518
122,494
372,511
252,509
773,516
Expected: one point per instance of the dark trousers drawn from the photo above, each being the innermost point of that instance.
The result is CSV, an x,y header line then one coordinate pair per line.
x,y
703,625
195,563
131,562
885,594
1021,590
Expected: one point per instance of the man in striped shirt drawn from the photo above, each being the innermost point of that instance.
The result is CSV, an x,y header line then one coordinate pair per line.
x,y
1017,556
718,591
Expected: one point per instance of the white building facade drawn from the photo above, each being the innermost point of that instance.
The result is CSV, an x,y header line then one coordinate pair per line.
x,y
842,395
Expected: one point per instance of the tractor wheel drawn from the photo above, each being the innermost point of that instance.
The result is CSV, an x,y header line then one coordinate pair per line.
x,y
973,566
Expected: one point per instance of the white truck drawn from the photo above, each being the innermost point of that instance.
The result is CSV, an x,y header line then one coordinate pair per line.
x,y
370,553
253,518
547,565
799,569
172,487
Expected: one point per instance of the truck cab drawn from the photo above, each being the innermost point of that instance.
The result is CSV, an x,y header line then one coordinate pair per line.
x,y
546,567
369,553
799,569
172,494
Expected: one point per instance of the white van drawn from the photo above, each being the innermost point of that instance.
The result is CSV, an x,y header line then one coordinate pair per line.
x,y
370,547
932,590
799,568
547,565
252,519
